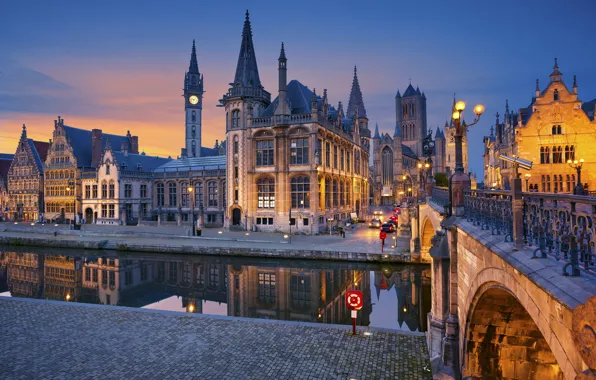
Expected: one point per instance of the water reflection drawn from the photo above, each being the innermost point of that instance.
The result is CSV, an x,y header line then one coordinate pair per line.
x,y
299,291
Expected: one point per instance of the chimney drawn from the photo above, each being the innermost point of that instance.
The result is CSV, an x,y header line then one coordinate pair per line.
x,y
96,147
134,145
124,148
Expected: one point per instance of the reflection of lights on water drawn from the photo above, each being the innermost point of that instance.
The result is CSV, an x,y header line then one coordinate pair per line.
x,y
405,309
191,308
367,333
68,297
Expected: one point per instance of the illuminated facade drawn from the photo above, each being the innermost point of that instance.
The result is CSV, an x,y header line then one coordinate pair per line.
x,y
25,180
25,274
554,128
297,160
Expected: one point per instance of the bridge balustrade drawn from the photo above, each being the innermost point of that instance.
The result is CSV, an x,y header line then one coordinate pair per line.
x,y
554,225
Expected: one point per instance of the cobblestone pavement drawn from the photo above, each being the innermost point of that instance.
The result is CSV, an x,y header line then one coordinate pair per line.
x,y
55,340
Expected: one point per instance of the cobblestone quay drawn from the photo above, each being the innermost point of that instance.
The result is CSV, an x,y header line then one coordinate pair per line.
x,y
50,340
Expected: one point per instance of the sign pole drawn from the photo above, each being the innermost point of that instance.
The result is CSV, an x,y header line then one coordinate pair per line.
x,y
354,314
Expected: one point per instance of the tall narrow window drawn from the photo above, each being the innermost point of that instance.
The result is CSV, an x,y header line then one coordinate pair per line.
x,y
341,193
104,190
127,190
143,191
335,193
548,183
160,194
547,155
266,193
335,157
94,188
341,160
184,199
87,191
387,166
267,287
265,153
172,194
327,193
235,144
235,118
194,116
112,190
300,192
556,95
299,151
212,193
199,194
327,154
561,183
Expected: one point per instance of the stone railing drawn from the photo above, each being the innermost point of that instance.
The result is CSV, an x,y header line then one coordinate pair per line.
x,y
281,120
247,92
556,225
440,196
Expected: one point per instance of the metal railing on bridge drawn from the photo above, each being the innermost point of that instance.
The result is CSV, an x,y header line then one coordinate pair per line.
x,y
557,225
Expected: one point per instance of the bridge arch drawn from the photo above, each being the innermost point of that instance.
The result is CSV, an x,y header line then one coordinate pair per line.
x,y
505,335
427,231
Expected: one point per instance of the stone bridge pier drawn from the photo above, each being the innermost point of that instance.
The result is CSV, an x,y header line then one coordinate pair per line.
x,y
498,312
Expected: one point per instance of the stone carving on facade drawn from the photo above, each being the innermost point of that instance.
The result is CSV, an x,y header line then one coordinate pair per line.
x,y
584,336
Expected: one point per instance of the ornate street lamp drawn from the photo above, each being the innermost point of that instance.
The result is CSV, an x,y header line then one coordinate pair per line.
x,y
577,165
194,230
460,181
527,176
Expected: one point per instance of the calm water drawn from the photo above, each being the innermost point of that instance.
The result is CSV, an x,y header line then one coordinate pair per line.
x,y
396,297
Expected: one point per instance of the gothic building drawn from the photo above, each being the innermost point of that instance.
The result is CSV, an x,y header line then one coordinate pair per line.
x,y
25,179
120,191
554,128
72,154
395,159
296,161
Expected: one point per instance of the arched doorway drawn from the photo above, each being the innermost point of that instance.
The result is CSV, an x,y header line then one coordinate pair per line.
x,y
426,236
503,341
88,215
236,217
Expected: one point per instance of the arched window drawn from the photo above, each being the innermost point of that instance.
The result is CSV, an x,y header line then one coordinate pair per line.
x,y
184,200
160,194
300,192
199,194
387,166
348,192
543,184
193,116
235,144
556,95
104,190
194,131
112,190
557,155
235,118
572,153
172,196
212,193
554,132
335,193
559,130
547,155
266,193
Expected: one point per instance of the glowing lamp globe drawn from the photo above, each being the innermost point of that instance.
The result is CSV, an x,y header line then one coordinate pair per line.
x,y
455,115
479,109
460,106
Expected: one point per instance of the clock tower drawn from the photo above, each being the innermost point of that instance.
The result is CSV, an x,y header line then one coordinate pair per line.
x,y
193,106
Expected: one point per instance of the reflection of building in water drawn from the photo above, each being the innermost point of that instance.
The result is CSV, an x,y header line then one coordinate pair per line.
x,y
296,294
24,274
62,278
3,280
114,281
412,288
193,279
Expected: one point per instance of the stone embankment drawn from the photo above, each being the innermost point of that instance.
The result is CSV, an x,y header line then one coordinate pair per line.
x,y
228,244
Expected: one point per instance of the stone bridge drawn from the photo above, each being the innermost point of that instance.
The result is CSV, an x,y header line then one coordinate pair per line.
x,y
501,312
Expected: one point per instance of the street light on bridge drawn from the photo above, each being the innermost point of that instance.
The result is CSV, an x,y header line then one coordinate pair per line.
x,y
577,165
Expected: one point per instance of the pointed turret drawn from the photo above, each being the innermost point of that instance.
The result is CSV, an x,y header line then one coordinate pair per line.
x,y
24,132
247,72
397,131
377,136
506,107
356,101
575,84
282,100
398,95
537,88
193,68
556,75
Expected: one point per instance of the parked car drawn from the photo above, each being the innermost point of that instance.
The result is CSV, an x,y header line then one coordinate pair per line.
x,y
388,227
375,223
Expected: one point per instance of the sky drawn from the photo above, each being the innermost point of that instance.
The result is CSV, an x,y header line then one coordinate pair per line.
x,y
120,66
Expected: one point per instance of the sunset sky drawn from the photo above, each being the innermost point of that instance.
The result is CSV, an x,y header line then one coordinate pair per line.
x,y
120,66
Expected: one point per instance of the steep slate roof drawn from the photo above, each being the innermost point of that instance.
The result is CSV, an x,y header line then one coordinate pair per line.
x,y
5,161
356,101
377,136
439,133
410,92
6,156
588,108
408,152
299,96
208,152
80,140
36,156
134,161
193,163
42,149
247,72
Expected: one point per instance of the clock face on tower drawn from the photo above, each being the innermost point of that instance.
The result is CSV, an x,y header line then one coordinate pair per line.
x,y
193,99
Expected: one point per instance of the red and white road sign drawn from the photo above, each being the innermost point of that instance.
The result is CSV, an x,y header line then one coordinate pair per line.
x,y
383,235
354,299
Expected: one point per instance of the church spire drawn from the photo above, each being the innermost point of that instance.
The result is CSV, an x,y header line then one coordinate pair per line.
x,y
282,101
193,68
377,136
356,101
556,75
247,72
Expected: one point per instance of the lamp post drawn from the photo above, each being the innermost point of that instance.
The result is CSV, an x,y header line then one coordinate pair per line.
x,y
71,187
460,181
193,209
577,165
527,177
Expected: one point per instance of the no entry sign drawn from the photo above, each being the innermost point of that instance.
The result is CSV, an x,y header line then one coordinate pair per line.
x,y
382,235
354,299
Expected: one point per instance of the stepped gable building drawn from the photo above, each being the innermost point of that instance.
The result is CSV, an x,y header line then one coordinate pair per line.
x,y
190,187
398,156
73,152
120,191
25,180
5,162
554,128
297,160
